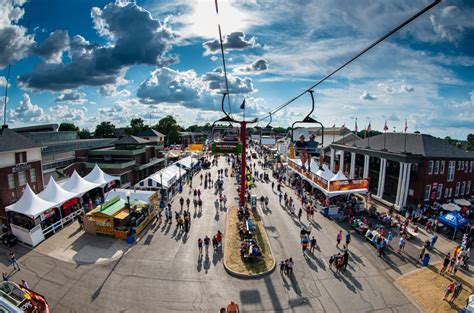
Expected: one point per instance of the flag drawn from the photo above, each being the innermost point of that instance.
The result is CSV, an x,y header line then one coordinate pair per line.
x,y
385,127
242,106
406,126
356,126
369,128
334,125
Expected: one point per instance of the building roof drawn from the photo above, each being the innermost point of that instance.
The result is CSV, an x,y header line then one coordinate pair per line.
x,y
131,140
11,141
37,128
111,207
416,144
150,132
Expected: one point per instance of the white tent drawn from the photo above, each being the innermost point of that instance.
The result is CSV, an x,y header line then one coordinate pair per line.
x,y
167,176
135,195
339,176
54,193
77,184
98,176
188,162
30,204
450,207
462,202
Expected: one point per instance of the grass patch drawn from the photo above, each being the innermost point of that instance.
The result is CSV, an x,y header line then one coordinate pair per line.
x,y
232,257
427,287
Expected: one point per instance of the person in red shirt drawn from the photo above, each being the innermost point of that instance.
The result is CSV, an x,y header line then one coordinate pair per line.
x,y
233,307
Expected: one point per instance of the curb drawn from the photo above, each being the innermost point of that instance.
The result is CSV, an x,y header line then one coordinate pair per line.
x,y
252,276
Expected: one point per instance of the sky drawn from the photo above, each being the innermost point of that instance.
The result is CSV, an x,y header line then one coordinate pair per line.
x,y
85,62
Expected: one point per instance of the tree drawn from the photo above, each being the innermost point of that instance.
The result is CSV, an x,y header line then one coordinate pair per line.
x,y
137,125
68,127
84,134
170,128
105,130
470,142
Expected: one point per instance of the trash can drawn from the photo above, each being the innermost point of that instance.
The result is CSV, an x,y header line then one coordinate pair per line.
x,y
426,259
130,239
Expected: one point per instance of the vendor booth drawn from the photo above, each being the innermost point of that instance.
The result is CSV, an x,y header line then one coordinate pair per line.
x,y
119,218
26,215
165,180
454,220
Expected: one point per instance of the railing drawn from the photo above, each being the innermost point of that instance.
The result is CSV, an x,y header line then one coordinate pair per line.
x,y
60,224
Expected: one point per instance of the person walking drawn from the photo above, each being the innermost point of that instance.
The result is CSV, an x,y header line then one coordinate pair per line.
x,y
445,263
304,245
207,242
449,290
345,258
233,307
452,261
181,203
338,238
300,212
24,284
422,253
312,244
290,266
200,246
188,202
273,185
348,238
13,261
401,244
200,204
456,292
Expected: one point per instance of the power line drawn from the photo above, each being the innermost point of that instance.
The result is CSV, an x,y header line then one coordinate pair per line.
x,y
396,29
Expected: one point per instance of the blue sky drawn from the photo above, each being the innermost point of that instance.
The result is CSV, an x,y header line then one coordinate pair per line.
x,y
86,61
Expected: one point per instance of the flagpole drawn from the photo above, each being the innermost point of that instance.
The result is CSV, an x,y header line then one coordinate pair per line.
x,y
405,145
384,139
333,133
343,135
355,132
368,138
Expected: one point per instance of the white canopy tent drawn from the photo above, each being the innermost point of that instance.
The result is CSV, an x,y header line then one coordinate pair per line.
x,y
98,176
135,195
188,162
55,194
77,184
462,202
450,207
338,176
30,204
167,176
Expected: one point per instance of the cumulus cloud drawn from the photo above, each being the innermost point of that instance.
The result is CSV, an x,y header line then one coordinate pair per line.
x,y
406,88
367,96
233,41
349,107
15,43
26,111
3,81
111,90
258,66
72,97
134,37
65,113
51,49
392,117
192,91
448,24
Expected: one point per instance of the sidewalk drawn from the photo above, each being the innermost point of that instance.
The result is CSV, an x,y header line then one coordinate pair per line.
x,y
73,245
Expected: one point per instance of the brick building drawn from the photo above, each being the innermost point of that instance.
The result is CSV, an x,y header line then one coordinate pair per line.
x,y
407,168
20,164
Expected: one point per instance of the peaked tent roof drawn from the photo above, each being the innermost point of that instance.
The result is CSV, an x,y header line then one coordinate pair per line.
x,y
54,193
339,176
10,140
77,184
188,162
30,204
419,144
150,132
453,219
98,176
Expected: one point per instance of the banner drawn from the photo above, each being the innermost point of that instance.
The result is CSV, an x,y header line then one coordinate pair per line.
x,y
318,180
348,184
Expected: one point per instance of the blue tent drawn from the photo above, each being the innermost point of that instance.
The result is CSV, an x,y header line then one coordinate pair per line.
x,y
454,220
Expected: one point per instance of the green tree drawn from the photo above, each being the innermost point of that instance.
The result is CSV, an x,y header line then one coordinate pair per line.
x,y
137,125
68,127
104,130
170,128
470,142
84,134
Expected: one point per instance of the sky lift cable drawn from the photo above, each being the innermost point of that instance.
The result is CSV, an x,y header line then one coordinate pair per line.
x,y
396,29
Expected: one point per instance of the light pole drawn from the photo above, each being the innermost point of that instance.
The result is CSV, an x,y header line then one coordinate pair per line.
x,y
127,194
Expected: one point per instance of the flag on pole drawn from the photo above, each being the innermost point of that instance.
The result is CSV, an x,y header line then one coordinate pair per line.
x,y
356,126
385,127
334,125
406,126
369,128
242,106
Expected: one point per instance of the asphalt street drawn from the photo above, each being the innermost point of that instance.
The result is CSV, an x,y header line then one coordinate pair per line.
x,y
163,272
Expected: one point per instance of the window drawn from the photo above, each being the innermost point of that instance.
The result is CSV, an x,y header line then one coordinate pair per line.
x,y
441,170
21,178
33,175
446,192
20,157
472,166
427,192
466,165
430,167
436,170
460,163
451,170
463,188
458,185
11,181
468,187
439,191
450,192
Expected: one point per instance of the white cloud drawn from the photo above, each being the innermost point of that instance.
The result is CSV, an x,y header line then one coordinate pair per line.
x,y
75,97
233,41
367,96
26,111
257,67
3,81
51,49
406,88
111,90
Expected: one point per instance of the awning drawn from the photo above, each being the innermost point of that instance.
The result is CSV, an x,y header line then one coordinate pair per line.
x,y
453,219
135,195
451,207
462,202
30,204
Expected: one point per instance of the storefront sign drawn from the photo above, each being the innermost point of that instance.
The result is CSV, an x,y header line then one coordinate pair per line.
x,y
225,147
21,167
